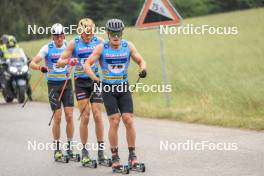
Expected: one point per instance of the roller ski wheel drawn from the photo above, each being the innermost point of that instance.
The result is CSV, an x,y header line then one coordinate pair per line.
x,y
73,156
136,166
88,162
122,169
104,161
60,157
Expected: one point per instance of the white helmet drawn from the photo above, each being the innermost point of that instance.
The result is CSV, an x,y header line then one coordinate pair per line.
x,y
57,29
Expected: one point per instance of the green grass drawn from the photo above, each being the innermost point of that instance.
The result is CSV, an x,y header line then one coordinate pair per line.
x,y
216,80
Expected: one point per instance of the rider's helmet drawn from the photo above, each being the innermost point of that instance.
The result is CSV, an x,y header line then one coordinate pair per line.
x,y
11,41
116,25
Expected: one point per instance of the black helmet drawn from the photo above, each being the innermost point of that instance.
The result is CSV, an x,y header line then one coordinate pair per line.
x,y
11,41
115,25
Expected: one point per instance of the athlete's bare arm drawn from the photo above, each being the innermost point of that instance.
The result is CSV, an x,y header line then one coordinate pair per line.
x,y
66,54
136,56
34,64
91,60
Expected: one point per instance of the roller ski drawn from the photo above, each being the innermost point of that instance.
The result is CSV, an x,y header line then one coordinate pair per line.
x,y
117,167
87,161
60,157
123,169
73,156
134,165
103,160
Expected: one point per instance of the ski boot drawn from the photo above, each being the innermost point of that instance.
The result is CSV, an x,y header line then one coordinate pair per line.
x,y
134,165
60,157
87,161
73,156
117,167
103,160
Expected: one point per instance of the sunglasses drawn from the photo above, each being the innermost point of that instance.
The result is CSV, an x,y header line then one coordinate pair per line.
x,y
116,33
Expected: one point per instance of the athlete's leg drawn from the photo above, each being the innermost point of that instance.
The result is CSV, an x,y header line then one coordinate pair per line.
x,y
130,129
56,124
125,104
53,91
69,120
84,107
56,132
111,106
68,103
97,115
114,121
99,129
83,92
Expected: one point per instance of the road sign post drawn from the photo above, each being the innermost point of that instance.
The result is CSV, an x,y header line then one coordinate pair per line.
x,y
164,70
154,14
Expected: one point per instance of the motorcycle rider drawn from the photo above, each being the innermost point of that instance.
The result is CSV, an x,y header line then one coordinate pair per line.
x,y
3,41
9,42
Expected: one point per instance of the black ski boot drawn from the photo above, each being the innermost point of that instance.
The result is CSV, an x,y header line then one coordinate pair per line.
x,y
133,163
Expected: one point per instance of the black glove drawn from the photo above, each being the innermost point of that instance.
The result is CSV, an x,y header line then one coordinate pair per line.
x,y
43,69
143,73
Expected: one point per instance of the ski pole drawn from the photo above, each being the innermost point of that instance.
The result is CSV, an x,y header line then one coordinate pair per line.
x,y
34,88
135,84
62,91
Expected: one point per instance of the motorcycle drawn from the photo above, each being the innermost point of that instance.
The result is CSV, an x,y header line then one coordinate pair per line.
x,y
16,75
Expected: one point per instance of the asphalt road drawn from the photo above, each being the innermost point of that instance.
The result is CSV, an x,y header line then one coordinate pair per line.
x,y
19,126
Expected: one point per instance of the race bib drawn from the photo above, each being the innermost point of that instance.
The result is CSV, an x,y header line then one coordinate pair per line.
x,y
116,68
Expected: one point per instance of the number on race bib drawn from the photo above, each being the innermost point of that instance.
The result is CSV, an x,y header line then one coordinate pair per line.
x,y
116,68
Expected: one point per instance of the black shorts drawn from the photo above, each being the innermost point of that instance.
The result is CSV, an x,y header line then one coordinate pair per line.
x,y
117,101
83,89
54,90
